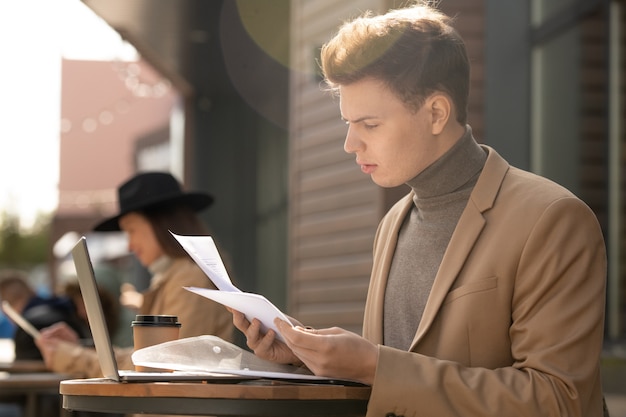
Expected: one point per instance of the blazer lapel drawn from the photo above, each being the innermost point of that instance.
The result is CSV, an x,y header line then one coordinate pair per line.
x,y
464,237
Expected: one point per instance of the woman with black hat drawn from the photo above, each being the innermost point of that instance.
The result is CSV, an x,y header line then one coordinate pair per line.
x,y
150,206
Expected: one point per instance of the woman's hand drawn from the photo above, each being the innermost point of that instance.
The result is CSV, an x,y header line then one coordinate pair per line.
x,y
50,337
130,297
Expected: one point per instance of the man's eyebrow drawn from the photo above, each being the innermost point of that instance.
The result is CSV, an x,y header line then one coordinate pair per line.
x,y
360,119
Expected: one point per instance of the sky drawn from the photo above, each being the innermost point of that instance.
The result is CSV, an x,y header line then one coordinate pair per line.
x,y
34,35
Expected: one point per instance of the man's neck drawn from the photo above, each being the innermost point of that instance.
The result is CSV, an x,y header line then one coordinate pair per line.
x,y
451,134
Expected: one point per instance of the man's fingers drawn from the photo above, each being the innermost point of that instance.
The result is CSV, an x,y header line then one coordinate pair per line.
x,y
253,334
265,343
240,321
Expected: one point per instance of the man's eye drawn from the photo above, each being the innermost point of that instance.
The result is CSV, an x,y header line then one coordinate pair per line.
x,y
370,126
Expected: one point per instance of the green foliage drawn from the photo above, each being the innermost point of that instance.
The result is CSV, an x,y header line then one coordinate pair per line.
x,y
23,248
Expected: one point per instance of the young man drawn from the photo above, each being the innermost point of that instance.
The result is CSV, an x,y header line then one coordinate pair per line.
x,y
488,284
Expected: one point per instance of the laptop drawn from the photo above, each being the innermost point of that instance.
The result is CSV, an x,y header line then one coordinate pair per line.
x,y
102,340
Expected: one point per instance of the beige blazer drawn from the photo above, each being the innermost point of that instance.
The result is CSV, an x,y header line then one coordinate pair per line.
x,y
513,325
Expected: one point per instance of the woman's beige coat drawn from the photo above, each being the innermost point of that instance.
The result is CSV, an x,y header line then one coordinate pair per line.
x,y
513,325
198,315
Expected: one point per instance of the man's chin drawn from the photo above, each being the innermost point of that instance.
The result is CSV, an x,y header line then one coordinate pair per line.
x,y
386,183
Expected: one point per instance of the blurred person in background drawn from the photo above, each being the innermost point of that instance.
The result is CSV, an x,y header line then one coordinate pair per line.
x,y
40,311
65,310
7,328
150,205
110,305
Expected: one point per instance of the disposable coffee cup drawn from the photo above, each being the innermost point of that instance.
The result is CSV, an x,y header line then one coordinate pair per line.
x,y
149,330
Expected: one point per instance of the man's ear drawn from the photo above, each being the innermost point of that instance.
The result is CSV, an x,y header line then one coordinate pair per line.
x,y
440,108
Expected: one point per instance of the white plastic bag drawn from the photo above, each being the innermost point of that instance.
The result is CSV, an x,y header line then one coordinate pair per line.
x,y
207,353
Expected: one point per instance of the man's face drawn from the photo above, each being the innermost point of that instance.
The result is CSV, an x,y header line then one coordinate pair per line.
x,y
391,143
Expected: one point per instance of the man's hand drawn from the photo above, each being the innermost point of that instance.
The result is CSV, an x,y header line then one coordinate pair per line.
x,y
333,352
264,345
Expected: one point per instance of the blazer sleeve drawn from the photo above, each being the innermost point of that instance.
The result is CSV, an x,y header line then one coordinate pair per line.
x,y
556,334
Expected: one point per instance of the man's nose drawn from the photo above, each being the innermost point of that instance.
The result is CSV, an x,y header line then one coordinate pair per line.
x,y
351,143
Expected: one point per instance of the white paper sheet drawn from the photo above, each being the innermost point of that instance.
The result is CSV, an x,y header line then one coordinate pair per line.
x,y
203,251
252,305
20,320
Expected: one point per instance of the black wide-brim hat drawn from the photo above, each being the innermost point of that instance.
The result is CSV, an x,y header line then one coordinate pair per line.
x,y
151,190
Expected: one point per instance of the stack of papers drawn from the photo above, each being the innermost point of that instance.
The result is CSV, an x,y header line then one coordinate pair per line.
x,y
203,251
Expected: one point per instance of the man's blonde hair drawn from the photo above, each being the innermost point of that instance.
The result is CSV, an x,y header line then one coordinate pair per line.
x,y
415,51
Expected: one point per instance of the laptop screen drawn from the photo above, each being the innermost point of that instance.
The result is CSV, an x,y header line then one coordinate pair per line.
x,y
97,322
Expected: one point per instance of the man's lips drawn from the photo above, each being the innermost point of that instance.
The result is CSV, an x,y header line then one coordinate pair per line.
x,y
367,168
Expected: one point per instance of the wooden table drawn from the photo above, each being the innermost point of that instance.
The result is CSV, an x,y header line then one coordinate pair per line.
x,y
261,398
19,366
30,386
